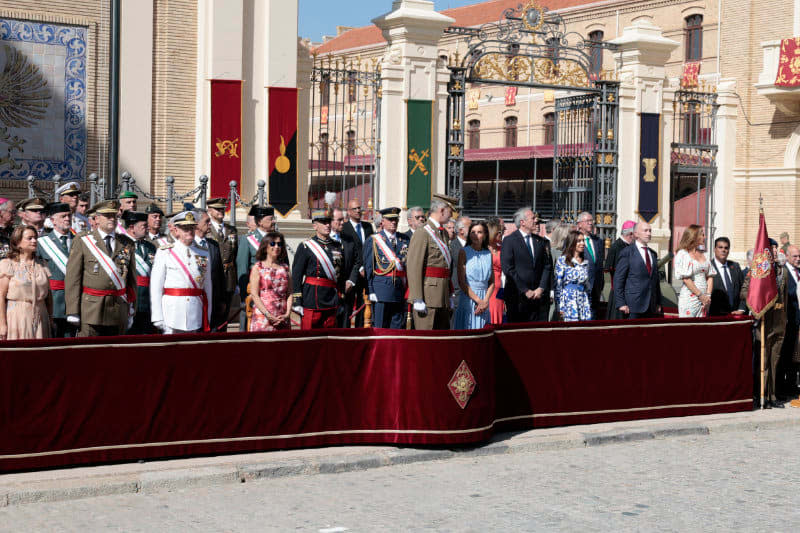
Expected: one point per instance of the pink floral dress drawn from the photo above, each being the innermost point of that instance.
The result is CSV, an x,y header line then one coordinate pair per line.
x,y
273,287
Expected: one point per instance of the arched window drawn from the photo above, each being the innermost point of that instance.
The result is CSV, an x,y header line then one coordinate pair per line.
x,y
323,146
694,38
549,128
350,143
325,90
596,53
474,134
511,132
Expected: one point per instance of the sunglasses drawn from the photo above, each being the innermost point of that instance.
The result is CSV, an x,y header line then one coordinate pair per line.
x,y
355,209
275,243
420,217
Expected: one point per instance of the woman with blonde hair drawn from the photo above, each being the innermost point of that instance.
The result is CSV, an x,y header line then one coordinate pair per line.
x,y
26,304
697,273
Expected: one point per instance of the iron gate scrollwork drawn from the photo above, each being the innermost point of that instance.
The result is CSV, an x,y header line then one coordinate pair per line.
x,y
531,47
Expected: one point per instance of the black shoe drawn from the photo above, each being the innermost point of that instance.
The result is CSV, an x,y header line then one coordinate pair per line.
x,y
767,405
777,405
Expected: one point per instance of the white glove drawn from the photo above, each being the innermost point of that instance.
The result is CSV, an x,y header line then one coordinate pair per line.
x,y
159,325
75,320
297,309
452,302
131,310
130,321
420,307
373,297
349,284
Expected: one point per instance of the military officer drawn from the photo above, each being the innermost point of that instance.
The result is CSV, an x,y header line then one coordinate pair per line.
x,y
428,268
69,194
136,227
127,202
226,236
31,213
155,217
100,283
180,282
8,212
264,218
385,269
318,271
54,248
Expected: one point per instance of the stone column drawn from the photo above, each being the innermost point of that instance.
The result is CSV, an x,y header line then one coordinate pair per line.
x,y
725,188
641,62
410,70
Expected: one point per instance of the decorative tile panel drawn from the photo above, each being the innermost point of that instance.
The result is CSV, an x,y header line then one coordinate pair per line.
x,y
42,100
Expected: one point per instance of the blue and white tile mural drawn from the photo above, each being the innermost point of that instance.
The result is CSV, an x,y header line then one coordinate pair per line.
x,y
42,100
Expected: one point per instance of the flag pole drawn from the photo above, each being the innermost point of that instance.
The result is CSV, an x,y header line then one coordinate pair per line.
x,y
763,353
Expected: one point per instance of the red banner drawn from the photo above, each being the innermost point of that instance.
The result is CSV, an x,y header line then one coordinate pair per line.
x,y
691,74
511,95
789,63
282,153
763,284
67,401
226,135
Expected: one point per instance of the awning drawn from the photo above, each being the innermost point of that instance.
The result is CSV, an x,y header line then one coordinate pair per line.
x,y
542,151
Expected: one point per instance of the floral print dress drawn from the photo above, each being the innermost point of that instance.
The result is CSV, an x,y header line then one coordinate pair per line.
x,y
572,290
273,288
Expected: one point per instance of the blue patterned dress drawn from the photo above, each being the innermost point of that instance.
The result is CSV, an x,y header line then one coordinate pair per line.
x,y
571,290
479,272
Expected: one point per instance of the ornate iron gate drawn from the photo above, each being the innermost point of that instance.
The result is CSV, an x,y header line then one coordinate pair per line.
x,y
530,47
344,129
585,158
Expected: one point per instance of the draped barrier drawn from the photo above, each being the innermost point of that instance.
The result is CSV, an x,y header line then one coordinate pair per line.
x,y
74,401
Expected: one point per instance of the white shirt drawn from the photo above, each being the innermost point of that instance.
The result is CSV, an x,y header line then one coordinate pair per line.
x,y
643,251
525,236
103,236
184,313
58,236
461,241
721,270
335,236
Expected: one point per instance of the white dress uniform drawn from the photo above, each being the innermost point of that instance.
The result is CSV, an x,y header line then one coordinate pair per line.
x,y
179,313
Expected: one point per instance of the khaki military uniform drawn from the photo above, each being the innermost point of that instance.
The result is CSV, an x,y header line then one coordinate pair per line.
x,y
100,314
428,270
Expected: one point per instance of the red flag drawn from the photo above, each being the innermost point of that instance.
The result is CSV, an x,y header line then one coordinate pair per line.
x,y
226,135
763,284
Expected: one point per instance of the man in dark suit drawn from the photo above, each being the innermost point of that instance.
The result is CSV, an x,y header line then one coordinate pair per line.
x,y
728,282
637,288
416,219
595,254
216,271
351,269
625,239
455,246
526,262
788,376
356,230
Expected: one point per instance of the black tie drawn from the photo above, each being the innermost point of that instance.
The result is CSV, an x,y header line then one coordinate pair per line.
x,y
108,245
64,242
728,284
528,244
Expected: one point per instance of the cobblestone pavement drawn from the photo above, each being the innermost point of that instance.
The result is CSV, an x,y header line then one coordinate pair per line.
x,y
723,482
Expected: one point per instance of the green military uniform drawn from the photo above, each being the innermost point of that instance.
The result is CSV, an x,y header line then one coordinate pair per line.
x,y
246,257
143,259
54,249
91,295
428,271
227,237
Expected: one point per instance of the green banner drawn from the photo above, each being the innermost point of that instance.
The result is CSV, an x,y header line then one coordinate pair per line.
x,y
420,160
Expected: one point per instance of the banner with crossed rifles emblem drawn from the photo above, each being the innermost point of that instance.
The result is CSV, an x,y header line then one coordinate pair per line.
x,y
649,151
420,162
226,135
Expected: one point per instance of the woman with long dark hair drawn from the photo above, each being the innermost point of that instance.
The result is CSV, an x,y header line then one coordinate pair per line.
x,y
271,285
26,304
696,271
572,280
476,279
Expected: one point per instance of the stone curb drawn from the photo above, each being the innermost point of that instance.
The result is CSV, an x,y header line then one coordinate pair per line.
x,y
231,469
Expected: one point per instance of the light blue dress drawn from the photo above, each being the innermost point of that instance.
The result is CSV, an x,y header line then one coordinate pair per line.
x,y
479,272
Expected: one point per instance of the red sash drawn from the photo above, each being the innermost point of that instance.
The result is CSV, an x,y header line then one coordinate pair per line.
x,y
142,281
56,284
193,292
103,292
437,272
321,282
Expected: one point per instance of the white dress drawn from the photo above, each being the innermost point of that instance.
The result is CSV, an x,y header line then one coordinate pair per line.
x,y
689,305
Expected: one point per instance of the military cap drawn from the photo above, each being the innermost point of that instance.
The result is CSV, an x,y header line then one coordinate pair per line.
x,y
185,218
259,211
390,212
153,208
321,215
31,204
127,194
784,235
449,200
68,188
132,217
218,203
108,207
58,207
